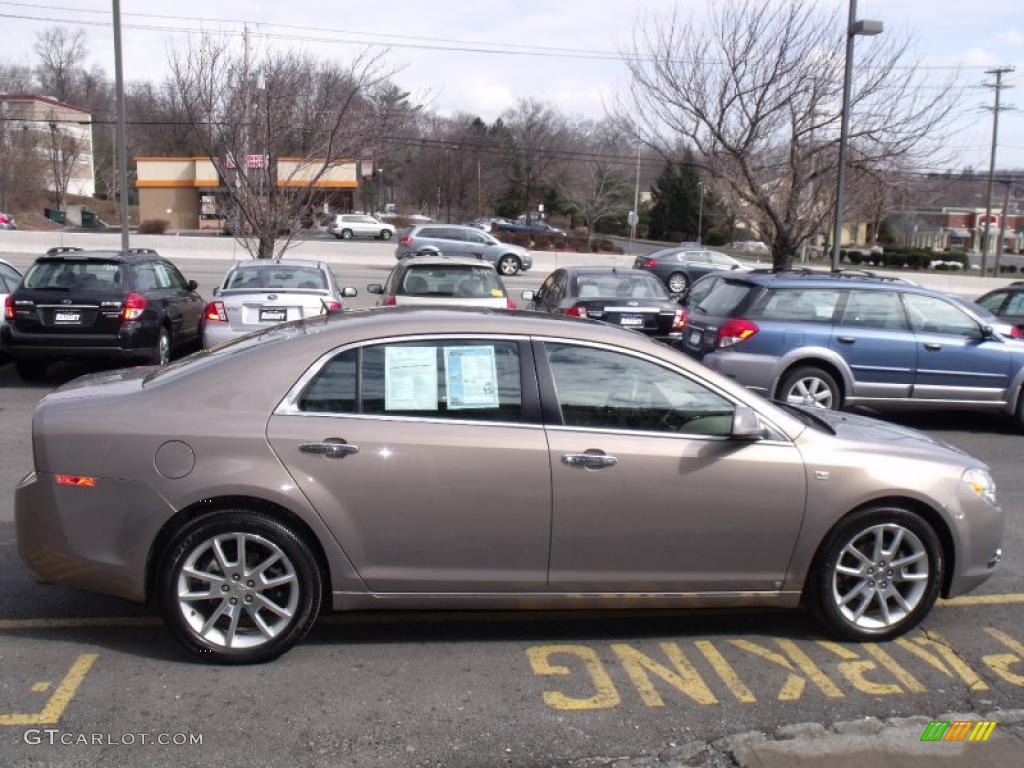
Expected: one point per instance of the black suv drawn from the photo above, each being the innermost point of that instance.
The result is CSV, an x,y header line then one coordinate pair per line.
x,y
120,305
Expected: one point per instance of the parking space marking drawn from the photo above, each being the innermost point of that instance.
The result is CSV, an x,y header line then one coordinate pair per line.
x,y
51,712
964,600
101,622
725,671
946,655
40,687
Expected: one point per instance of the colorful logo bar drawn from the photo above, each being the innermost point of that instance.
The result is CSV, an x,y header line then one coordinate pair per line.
x,y
958,730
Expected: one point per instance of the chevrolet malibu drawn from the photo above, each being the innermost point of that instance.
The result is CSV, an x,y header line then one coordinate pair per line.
x,y
445,458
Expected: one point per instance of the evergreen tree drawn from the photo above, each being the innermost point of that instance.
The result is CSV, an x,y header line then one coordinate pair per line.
x,y
675,206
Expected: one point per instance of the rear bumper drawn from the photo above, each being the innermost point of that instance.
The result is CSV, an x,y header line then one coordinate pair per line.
x,y
756,372
133,342
218,333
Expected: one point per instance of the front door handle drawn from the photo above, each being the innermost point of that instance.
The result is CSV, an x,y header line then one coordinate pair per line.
x,y
931,346
331,448
845,339
589,460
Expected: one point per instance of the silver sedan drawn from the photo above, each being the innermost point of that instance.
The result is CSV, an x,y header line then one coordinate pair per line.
x,y
349,462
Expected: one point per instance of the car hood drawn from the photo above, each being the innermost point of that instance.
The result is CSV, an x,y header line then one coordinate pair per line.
x,y
898,439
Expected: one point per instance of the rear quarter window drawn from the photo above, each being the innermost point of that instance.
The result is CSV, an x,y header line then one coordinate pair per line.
x,y
725,298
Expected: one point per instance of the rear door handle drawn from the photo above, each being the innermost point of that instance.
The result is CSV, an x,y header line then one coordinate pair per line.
x,y
589,460
931,346
845,339
331,448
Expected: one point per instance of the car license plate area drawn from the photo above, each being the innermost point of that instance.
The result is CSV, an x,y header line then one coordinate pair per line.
x,y
695,338
67,317
273,315
631,321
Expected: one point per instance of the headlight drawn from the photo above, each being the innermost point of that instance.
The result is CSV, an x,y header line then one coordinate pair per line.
x,y
981,483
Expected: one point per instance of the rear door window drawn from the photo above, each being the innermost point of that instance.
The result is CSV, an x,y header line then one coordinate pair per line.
x,y
805,305
874,309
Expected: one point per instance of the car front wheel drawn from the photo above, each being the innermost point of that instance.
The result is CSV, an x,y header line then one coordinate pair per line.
x,y
810,386
508,265
877,575
239,587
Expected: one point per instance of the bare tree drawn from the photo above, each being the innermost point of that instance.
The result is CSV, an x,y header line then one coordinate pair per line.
x,y
537,137
757,95
63,152
61,55
246,116
21,162
596,186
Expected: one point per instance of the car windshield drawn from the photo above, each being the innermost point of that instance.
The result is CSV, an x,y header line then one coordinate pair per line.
x,y
724,298
618,286
278,277
75,275
455,280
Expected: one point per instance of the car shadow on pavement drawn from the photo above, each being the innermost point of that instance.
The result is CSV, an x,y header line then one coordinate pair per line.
x,y
951,421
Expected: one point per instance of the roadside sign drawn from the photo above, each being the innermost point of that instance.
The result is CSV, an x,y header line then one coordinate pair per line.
x,y
633,219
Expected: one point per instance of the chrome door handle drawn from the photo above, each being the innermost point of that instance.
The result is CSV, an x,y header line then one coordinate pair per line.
x,y
331,448
932,346
845,339
589,460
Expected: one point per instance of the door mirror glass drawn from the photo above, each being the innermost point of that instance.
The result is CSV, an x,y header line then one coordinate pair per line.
x,y
746,424
529,295
348,292
375,288
193,285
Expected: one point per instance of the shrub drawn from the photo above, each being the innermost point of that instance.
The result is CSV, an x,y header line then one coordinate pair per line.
x,y
153,227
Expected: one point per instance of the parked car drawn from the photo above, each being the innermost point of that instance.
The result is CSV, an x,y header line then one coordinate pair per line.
x,y
832,341
7,221
9,280
677,268
129,306
1006,303
751,246
442,281
484,224
999,325
625,297
255,294
529,225
348,225
352,465
454,240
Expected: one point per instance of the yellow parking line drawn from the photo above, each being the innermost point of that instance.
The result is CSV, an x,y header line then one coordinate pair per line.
x,y
415,617
58,702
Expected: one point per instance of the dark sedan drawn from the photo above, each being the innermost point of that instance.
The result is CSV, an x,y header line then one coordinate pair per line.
x,y
679,268
1006,303
625,297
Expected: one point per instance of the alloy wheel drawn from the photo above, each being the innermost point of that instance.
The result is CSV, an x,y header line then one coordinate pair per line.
x,y
508,265
238,590
880,576
677,282
810,391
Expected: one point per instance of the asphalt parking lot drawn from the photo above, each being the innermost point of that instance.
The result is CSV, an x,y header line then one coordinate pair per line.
x,y
475,689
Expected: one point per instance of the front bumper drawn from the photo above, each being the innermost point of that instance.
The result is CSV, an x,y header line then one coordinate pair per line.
x,y
96,539
978,537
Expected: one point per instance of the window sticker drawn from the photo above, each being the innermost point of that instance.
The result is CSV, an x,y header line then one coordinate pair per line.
x,y
410,379
471,376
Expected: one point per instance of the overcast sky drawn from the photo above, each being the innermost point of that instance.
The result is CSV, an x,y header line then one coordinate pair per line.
x,y
975,34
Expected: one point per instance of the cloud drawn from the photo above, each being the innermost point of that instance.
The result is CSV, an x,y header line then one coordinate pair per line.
x,y
1013,37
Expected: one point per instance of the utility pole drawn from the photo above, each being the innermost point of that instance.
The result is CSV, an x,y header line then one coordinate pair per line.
x,y
479,188
1002,224
700,212
997,87
122,139
634,214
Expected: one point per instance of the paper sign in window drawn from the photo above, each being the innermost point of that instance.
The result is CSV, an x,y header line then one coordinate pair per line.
x,y
471,376
410,379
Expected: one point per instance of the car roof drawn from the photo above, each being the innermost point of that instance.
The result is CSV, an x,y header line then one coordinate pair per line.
x,y
625,271
279,263
131,256
842,279
459,261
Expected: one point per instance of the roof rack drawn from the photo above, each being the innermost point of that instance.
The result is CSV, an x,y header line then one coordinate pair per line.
x,y
62,249
837,274
1017,282
141,250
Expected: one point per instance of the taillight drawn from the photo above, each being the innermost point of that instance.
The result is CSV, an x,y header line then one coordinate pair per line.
x,y
407,240
215,311
577,310
679,321
510,303
388,301
76,480
9,307
734,331
650,263
134,306
1015,333
332,306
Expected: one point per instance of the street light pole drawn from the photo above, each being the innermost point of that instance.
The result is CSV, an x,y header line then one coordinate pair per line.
x,y
122,139
853,29
700,212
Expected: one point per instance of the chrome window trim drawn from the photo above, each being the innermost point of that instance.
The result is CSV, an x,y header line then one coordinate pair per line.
x,y
784,439
289,404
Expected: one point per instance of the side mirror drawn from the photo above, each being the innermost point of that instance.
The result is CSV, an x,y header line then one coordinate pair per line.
x,y
746,425
216,291
349,292
375,288
528,295
988,332
193,285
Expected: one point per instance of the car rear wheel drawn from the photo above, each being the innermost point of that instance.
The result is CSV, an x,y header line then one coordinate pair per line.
x,y
239,587
31,370
161,353
810,386
508,265
385,234
877,575
678,282
346,234
1019,415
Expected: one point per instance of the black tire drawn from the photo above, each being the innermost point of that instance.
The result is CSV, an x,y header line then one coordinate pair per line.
x,y
31,370
306,570
820,593
1019,414
346,234
806,373
509,265
385,234
161,352
682,280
